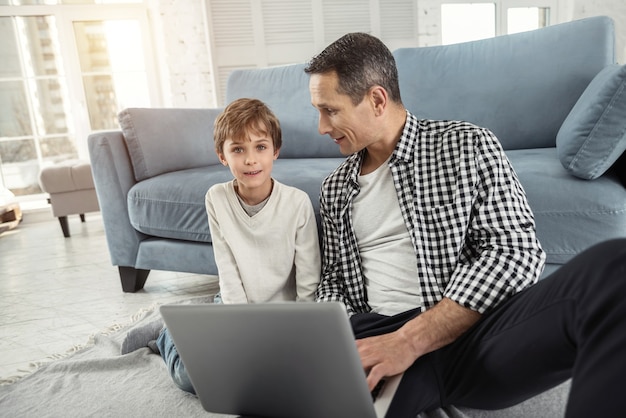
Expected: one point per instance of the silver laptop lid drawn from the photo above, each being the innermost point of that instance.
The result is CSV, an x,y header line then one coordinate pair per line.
x,y
293,359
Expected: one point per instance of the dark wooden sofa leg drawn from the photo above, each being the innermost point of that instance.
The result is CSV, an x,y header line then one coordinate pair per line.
x,y
132,279
64,226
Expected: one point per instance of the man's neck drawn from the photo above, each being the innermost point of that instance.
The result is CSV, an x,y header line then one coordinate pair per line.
x,y
376,154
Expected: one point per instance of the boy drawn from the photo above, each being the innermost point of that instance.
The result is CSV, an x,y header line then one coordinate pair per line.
x,y
264,233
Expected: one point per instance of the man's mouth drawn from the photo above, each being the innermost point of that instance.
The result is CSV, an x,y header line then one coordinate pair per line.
x,y
338,140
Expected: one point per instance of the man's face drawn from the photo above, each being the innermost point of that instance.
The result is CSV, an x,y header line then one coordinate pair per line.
x,y
351,127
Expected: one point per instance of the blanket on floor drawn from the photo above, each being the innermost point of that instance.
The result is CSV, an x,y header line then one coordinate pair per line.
x,y
98,381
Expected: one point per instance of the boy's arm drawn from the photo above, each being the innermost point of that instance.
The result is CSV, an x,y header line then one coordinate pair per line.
x,y
231,287
307,253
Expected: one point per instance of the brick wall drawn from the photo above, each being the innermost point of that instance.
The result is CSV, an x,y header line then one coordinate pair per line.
x,y
182,41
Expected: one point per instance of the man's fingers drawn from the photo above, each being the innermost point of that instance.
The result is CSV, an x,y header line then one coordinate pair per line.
x,y
374,377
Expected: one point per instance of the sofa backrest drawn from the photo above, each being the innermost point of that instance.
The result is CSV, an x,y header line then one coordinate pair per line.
x,y
285,89
520,86
165,140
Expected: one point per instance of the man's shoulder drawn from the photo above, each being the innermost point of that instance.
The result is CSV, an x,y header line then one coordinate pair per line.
x,y
344,171
443,127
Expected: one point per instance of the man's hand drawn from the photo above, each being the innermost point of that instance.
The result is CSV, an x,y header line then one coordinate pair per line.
x,y
384,355
393,353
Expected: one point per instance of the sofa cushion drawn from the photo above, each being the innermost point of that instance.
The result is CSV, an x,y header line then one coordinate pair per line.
x,y
160,207
164,140
525,97
571,214
593,136
285,89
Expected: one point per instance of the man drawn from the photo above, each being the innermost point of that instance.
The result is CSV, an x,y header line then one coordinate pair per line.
x,y
429,242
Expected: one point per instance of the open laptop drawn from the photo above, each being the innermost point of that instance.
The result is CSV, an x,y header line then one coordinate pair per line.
x,y
293,359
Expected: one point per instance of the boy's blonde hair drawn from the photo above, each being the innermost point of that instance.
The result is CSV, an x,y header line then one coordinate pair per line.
x,y
243,116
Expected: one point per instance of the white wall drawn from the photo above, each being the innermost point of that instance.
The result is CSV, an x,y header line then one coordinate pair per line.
x,y
181,38
187,69
614,8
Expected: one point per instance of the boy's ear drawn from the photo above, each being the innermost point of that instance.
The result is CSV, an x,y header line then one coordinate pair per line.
x,y
276,153
222,159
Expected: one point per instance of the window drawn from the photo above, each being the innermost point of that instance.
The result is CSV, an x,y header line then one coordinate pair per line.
x,y
462,21
46,114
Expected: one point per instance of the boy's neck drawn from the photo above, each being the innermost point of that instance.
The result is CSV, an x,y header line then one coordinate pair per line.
x,y
255,196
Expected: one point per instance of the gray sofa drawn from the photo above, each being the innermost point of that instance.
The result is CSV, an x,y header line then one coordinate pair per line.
x,y
554,97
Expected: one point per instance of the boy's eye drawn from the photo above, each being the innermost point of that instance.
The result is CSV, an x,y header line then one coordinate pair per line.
x,y
261,147
237,150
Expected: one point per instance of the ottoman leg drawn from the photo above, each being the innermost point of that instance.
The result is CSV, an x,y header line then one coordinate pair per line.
x,y
64,226
132,279
82,217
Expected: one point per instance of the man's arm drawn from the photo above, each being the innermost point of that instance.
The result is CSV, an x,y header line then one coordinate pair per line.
x,y
393,353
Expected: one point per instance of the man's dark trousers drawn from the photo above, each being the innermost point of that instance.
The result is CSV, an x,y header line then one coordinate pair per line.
x,y
570,324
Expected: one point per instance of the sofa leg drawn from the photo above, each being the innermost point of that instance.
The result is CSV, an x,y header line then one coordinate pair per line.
x,y
132,279
64,226
82,217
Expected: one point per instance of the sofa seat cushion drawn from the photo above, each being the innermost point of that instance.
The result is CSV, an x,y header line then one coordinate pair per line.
x,y
592,211
171,205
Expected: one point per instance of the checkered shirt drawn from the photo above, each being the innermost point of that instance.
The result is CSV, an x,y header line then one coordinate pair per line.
x,y
471,227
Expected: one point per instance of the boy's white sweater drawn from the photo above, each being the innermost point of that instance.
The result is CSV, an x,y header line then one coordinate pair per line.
x,y
271,256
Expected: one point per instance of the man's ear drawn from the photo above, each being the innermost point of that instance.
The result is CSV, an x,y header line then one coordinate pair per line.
x,y
379,99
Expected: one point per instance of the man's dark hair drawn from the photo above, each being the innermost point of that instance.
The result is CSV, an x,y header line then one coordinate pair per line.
x,y
361,61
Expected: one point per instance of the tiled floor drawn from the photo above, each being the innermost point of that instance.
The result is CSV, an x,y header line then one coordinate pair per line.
x,y
55,292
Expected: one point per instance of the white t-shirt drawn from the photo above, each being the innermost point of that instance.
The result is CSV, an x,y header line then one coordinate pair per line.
x,y
270,256
388,259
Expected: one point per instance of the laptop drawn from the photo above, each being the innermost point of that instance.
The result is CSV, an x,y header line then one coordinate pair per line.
x,y
291,359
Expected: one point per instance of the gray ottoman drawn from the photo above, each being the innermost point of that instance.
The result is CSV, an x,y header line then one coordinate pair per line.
x,y
71,189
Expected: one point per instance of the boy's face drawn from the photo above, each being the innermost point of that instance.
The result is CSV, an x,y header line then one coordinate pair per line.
x,y
251,160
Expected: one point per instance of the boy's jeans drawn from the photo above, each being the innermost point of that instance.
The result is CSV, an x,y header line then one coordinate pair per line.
x,y
168,351
174,363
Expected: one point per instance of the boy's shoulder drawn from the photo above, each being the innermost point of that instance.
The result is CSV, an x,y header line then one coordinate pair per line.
x,y
219,189
290,192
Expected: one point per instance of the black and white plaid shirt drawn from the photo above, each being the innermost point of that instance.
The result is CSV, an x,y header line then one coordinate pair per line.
x,y
470,224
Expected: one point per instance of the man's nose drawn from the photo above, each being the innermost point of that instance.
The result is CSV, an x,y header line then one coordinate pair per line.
x,y
323,125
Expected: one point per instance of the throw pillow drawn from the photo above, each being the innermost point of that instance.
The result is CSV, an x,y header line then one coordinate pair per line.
x,y
593,136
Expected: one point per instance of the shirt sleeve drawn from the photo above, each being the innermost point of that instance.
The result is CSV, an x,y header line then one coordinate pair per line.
x,y
307,253
336,265
231,286
501,254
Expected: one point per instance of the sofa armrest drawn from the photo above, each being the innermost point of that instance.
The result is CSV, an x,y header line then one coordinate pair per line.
x,y
113,177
